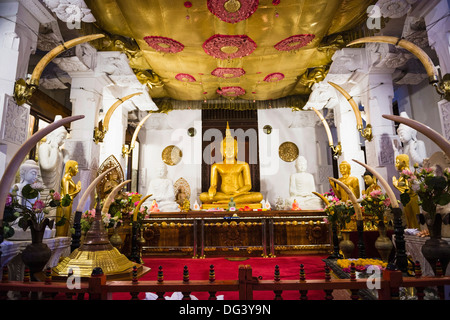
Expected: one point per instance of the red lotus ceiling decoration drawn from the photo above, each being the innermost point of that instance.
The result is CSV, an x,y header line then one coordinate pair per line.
x,y
277,76
232,11
163,44
229,46
294,42
228,73
185,77
231,91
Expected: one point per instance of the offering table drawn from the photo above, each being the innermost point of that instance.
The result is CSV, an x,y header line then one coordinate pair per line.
x,y
235,233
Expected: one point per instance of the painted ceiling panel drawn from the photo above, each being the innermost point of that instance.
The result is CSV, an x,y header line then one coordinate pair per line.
x,y
253,50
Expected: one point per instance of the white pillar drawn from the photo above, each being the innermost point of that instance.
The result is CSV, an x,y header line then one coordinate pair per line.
x,y
18,38
86,100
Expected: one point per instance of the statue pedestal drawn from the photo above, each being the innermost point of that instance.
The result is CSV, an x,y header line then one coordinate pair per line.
x,y
225,205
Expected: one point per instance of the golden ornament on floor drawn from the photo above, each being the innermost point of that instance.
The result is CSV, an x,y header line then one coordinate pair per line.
x,y
97,250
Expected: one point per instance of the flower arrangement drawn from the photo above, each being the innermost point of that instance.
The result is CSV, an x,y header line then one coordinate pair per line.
x,y
361,265
433,188
376,203
108,222
339,212
27,205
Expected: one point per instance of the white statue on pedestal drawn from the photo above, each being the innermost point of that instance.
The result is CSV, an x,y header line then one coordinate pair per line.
x,y
29,172
301,187
414,148
161,189
52,158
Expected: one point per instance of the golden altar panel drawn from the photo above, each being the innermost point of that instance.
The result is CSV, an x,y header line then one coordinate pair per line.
x,y
270,233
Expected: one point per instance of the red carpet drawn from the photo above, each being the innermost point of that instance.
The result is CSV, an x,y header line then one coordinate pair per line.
x,y
228,270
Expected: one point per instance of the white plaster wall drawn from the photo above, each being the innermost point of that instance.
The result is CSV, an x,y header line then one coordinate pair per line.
x,y
274,172
424,108
172,130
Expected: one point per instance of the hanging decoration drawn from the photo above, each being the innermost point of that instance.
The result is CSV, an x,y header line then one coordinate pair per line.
x,y
228,73
187,5
163,44
232,11
185,77
231,91
229,46
294,42
273,77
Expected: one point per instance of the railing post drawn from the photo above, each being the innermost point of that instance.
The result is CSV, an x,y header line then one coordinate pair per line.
x,y
245,283
391,290
97,282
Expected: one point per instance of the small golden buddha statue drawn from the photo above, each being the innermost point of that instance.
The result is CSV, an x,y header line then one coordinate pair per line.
x,y
351,182
412,209
235,176
371,183
69,187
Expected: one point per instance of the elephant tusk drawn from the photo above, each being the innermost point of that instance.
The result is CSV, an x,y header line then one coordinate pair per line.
x,y
325,124
114,107
322,197
352,102
383,182
90,188
136,210
14,164
37,72
138,128
111,196
351,196
432,73
433,135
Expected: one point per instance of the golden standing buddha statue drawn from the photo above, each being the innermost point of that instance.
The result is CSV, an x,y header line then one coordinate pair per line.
x,y
236,180
412,209
348,180
69,187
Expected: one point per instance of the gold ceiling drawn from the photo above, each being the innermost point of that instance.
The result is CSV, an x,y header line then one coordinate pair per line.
x,y
249,49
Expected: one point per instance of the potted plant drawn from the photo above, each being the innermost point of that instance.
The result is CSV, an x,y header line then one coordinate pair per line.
x,y
339,214
433,190
28,210
376,204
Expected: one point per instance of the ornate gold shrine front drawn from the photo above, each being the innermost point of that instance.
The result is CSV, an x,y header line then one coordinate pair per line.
x,y
254,233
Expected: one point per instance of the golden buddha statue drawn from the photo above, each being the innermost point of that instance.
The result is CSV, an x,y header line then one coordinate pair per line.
x,y
371,183
411,209
348,180
236,180
69,187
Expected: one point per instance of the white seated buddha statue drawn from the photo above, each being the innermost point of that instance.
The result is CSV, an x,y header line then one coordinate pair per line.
x,y
29,172
301,187
161,189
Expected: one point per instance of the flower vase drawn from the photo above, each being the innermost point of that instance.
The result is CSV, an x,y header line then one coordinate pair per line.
x,y
115,239
436,248
383,244
37,254
346,245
